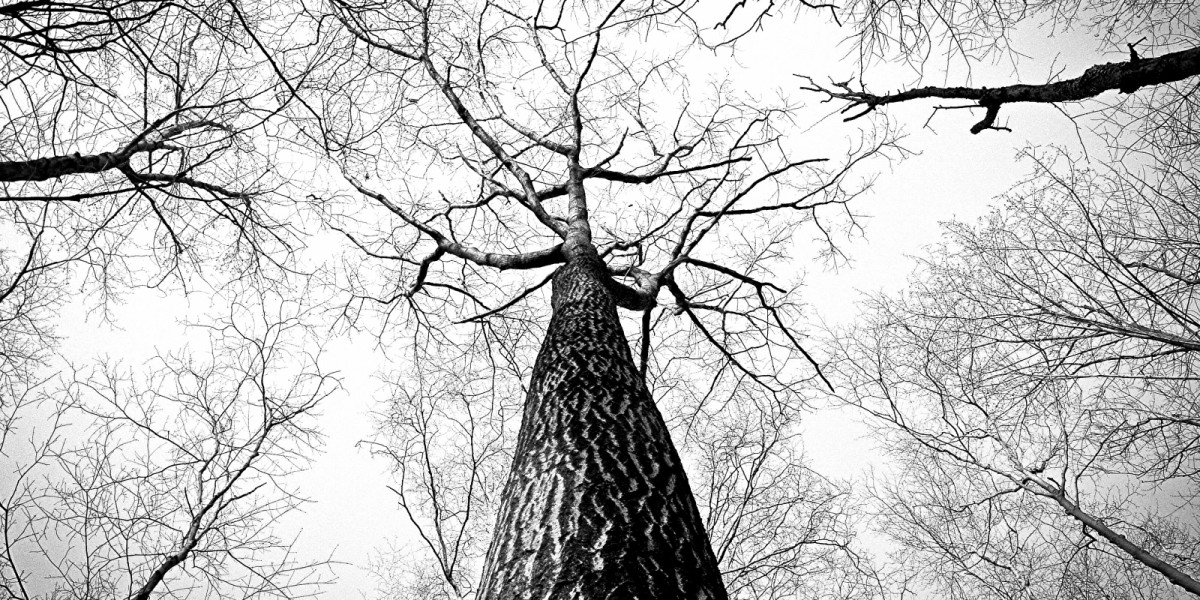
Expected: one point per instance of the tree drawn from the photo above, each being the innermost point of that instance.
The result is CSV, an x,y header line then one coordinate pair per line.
x,y
512,149
1037,382
143,162
130,135
1013,381
497,138
778,528
167,483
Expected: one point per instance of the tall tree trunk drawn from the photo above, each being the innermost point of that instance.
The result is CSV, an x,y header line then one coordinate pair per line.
x,y
597,504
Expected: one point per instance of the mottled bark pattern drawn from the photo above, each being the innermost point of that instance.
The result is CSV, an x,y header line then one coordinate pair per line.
x,y
41,169
597,504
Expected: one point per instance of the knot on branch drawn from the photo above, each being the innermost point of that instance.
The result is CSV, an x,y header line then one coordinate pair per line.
x,y
989,117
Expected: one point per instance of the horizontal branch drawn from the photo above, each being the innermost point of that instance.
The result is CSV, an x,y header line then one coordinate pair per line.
x,y
41,169
559,190
17,8
1126,77
522,260
53,167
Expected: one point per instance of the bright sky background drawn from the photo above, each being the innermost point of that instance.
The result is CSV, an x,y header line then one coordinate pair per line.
x,y
954,176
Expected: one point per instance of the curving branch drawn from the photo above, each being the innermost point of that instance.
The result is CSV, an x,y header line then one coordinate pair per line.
x,y
1125,77
524,260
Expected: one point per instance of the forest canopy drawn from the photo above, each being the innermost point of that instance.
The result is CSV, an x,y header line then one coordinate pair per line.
x,y
573,239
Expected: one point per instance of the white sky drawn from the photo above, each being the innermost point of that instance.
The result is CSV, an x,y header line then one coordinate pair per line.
x,y
955,175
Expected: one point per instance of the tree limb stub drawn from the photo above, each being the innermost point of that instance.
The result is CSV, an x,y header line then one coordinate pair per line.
x,y
1125,77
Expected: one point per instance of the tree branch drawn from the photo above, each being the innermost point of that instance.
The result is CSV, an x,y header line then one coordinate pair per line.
x,y
525,260
53,167
1140,554
1126,77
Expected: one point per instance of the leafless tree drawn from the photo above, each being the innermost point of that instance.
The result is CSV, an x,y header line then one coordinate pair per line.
x,y
1037,383
126,159
152,129
480,138
779,529
133,152
166,483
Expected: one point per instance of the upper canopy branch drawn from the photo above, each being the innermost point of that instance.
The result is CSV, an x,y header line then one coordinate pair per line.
x,y
424,57
1126,77
559,190
524,260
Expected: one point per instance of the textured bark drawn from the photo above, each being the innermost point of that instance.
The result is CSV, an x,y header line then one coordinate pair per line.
x,y
40,169
597,504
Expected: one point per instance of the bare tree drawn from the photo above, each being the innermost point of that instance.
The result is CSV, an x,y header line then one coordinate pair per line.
x,y
487,138
126,154
779,529
1038,387
131,151
167,483
140,132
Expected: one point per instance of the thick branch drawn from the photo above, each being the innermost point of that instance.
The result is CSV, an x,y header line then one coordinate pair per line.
x,y
1126,77
41,169
640,298
1173,574
524,260
53,167
16,8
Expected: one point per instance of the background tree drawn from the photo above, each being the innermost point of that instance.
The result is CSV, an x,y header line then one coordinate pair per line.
x,y
168,483
1037,383
1012,381
131,152
778,528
